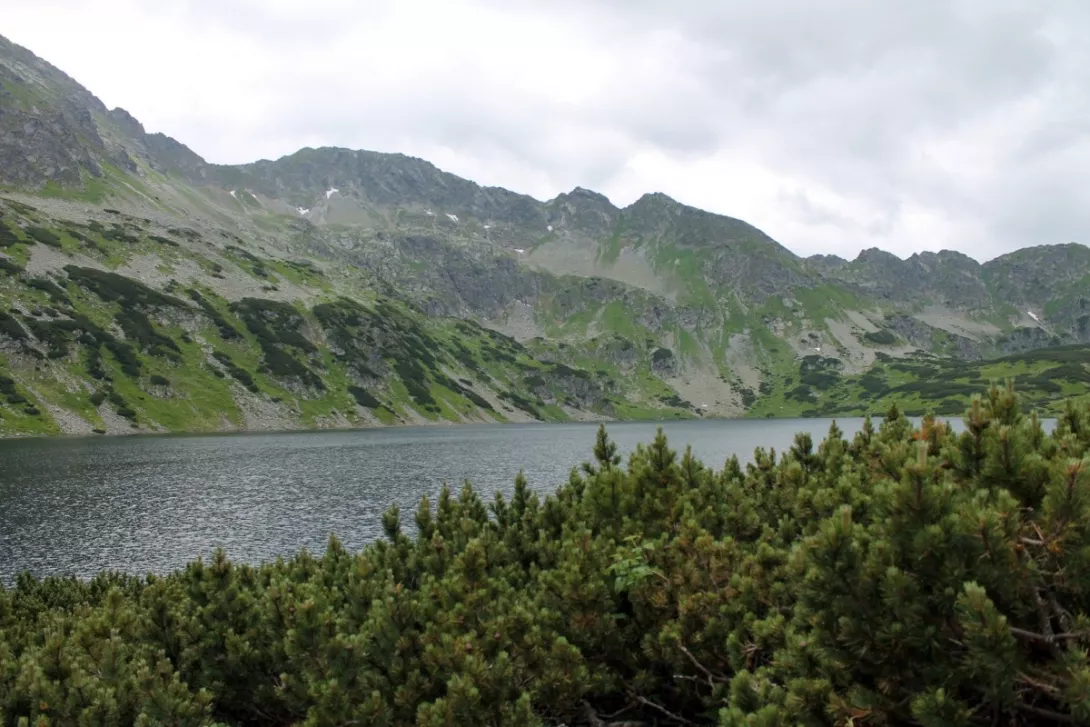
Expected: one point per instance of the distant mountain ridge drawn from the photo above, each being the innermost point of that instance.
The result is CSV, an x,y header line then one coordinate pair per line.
x,y
698,313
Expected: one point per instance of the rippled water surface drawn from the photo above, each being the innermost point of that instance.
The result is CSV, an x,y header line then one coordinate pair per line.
x,y
139,504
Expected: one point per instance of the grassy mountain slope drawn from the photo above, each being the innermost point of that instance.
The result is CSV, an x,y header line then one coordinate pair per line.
x,y
660,309
98,332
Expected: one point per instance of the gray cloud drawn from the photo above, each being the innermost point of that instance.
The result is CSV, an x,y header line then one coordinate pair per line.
x,y
835,126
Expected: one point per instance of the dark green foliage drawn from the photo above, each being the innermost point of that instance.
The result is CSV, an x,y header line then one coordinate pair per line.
x,y
118,288
560,369
882,337
278,362
908,576
819,372
120,405
159,380
56,293
476,398
415,379
118,234
1060,354
237,372
273,322
873,385
936,389
802,392
675,401
304,267
7,236
749,396
56,335
11,327
139,329
10,392
126,357
244,254
389,334
466,358
521,402
662,356
226,330
97,398
364,397
163,240
465,391
42,235
9,266
185,232
495,355
94,363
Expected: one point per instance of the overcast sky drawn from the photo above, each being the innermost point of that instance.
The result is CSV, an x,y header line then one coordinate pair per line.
x,y
902,124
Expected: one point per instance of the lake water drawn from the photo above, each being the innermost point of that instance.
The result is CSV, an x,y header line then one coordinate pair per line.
x,y
139,504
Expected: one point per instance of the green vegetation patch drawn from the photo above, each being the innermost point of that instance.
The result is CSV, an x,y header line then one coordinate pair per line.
x,y
276,326
227,331
8,238
880,338
238,373
9,266
121,289
363,397
44,236
10,327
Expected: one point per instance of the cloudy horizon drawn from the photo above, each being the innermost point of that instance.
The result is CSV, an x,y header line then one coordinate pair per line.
x,y
907,126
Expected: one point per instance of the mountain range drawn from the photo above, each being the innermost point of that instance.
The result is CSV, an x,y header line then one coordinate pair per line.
x,y
145,289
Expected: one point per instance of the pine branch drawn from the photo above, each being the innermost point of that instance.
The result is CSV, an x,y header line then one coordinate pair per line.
x,y
712,678
1048,638
665,712
597,720
1061,613
592,716
1045,713
1046,624
1036,684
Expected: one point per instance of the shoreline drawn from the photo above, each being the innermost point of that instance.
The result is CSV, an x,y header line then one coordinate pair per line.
x,y
444,424
354,427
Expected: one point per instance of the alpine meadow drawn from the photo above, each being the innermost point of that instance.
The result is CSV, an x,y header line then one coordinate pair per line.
x,y
912,573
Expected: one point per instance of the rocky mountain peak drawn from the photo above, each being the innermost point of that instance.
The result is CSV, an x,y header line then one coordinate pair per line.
x,y
126,122
653,201
582,210
876,256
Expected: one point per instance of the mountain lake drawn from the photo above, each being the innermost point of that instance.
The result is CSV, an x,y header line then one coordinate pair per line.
x,y
79,505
